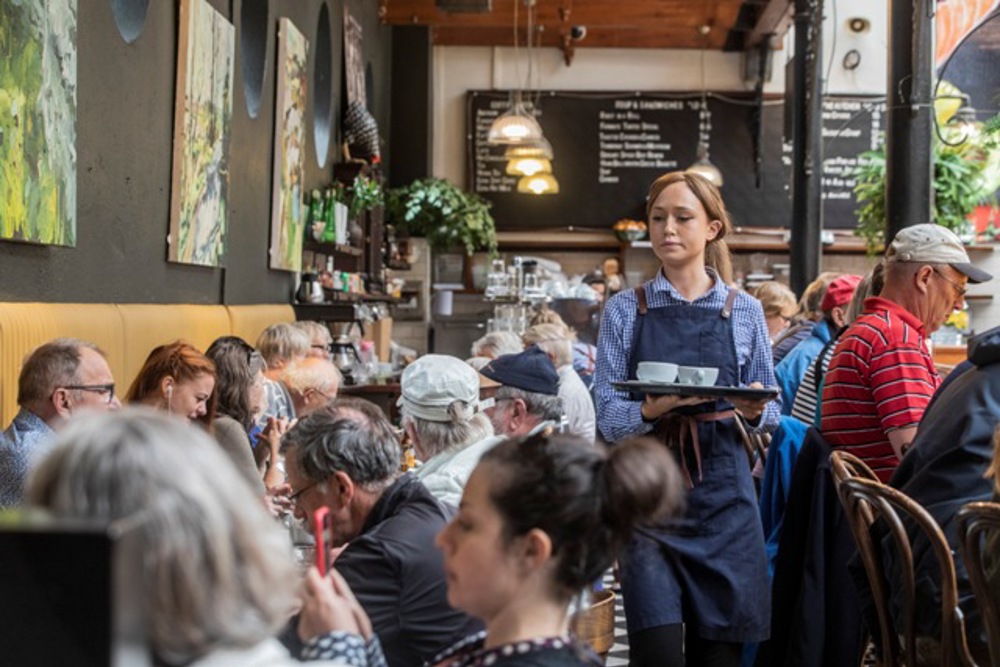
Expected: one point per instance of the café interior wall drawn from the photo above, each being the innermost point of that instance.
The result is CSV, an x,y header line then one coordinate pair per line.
x,y
125,120
460,69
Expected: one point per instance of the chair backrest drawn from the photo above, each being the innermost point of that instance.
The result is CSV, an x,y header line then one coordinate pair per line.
x,y
865,500
977,521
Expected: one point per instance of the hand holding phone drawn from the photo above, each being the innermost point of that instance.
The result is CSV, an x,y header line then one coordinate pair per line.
x,y
323,535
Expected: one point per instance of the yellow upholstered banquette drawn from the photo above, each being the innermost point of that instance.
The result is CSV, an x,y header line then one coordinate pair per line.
x,y
126,333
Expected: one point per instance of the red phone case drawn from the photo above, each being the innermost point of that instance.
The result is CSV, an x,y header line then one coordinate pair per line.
x,y
321,533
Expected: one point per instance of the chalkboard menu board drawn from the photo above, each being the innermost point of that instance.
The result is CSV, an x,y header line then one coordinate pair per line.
x,y
610,146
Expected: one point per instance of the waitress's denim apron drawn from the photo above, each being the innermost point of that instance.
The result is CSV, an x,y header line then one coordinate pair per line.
x,y
707,568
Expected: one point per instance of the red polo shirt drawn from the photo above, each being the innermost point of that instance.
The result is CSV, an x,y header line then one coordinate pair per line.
x,y
881,378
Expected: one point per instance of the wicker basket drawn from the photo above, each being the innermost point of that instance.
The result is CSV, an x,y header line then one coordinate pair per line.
x,y
595,625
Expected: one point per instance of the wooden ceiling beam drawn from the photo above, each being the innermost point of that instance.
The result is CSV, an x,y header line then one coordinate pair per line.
x,y
591,13
773,22
682,37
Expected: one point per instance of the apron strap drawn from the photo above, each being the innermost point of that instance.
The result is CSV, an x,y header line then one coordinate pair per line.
x,y
640,295
686,427
727,310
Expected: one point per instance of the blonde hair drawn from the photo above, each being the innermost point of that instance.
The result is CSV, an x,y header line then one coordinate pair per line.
x,y
776,299
554,339
717,254
216,567
312,373
282,342
812,297
314,330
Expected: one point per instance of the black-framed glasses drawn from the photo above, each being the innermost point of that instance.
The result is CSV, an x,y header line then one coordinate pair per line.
x,y
95,388
295,496
961,289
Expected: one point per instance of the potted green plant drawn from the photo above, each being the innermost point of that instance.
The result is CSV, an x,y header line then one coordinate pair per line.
x,y
963,178
447,216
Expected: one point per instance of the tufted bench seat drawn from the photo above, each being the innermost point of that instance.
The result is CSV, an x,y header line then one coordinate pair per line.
x,y
126,333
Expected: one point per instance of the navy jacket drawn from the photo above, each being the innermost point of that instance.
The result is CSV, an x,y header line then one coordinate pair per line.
x,y
943,470
397,574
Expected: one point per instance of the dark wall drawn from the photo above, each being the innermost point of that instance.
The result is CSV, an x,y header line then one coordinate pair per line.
x,y
125,114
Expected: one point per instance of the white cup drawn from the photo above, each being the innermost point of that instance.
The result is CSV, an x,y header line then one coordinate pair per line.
x,y
697,375
656,371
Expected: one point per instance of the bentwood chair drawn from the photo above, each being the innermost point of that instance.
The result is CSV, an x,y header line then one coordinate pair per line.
x,y
866,501
977,523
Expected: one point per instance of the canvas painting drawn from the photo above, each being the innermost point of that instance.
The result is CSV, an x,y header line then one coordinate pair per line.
x,y
354,64
203,113
289,136
38,121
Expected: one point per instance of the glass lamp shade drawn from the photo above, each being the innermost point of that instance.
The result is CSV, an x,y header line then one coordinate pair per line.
x,y
528,166
514,126
704,167
540,149
539,184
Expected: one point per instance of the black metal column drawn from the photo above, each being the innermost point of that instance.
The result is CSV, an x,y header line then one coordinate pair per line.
x,y
909,168
807,145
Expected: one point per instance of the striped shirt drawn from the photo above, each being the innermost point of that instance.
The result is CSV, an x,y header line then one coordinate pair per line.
x,y
805,406
619,417
881,378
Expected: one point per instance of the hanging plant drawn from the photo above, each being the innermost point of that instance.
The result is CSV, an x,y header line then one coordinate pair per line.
x,y
447,216
365,194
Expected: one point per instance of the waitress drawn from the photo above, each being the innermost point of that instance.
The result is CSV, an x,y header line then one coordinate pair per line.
x,y
697,589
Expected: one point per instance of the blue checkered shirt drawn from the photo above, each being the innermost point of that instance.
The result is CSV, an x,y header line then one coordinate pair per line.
x,y
26,440
619,417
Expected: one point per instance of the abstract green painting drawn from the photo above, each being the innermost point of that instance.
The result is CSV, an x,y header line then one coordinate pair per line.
x,y
203,114
289,148
38,121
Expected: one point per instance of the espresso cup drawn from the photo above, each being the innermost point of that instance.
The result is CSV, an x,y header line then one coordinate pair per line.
x,y
656,371
697,375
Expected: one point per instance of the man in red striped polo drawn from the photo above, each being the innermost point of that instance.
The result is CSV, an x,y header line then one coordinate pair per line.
x,y
882,377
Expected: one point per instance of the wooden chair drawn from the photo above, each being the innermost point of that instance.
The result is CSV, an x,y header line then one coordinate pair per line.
x,y
976,521
866,500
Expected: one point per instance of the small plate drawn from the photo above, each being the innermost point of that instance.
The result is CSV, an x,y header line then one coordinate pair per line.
x,y
675,389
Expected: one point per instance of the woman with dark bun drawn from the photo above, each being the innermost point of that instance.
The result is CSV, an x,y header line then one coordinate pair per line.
x,y
696,589
541,519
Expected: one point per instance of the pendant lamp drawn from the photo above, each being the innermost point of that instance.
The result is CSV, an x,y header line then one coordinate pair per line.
x,y
703,165
528,166
539,184
514,126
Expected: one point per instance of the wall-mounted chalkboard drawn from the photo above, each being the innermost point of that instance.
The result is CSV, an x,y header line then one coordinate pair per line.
x,y
610,146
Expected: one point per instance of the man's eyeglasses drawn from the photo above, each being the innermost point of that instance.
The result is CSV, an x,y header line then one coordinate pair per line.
x,y
96,388
326,347
295,496
961,289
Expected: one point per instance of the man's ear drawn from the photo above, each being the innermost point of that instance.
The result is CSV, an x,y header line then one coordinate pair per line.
x,y
343,488
61,402
922,278
839,315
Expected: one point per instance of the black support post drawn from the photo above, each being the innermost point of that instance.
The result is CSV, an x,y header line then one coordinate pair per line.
x,y
909,165
807,145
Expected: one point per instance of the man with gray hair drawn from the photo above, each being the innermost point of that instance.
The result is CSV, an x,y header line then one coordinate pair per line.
x,y
311,382
556,340
527,400
59,380
442,415
345,456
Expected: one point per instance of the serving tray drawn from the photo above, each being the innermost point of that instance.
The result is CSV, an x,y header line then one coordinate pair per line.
x,y
675,389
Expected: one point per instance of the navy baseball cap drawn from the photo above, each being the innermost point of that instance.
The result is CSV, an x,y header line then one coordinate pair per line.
x,y
531,370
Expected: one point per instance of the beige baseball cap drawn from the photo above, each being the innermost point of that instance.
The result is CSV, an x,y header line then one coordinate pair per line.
x,y
928,243
440,388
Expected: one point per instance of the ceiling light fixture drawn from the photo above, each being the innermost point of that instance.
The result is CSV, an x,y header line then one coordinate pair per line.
x,y
539,184
517,125
703,165
528,166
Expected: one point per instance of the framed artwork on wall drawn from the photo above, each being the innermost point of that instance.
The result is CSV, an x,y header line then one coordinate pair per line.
x,y
287,219
38,122
203,114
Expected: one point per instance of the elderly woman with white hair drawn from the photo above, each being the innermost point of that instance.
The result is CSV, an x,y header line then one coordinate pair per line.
x,y
556,340
218,579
